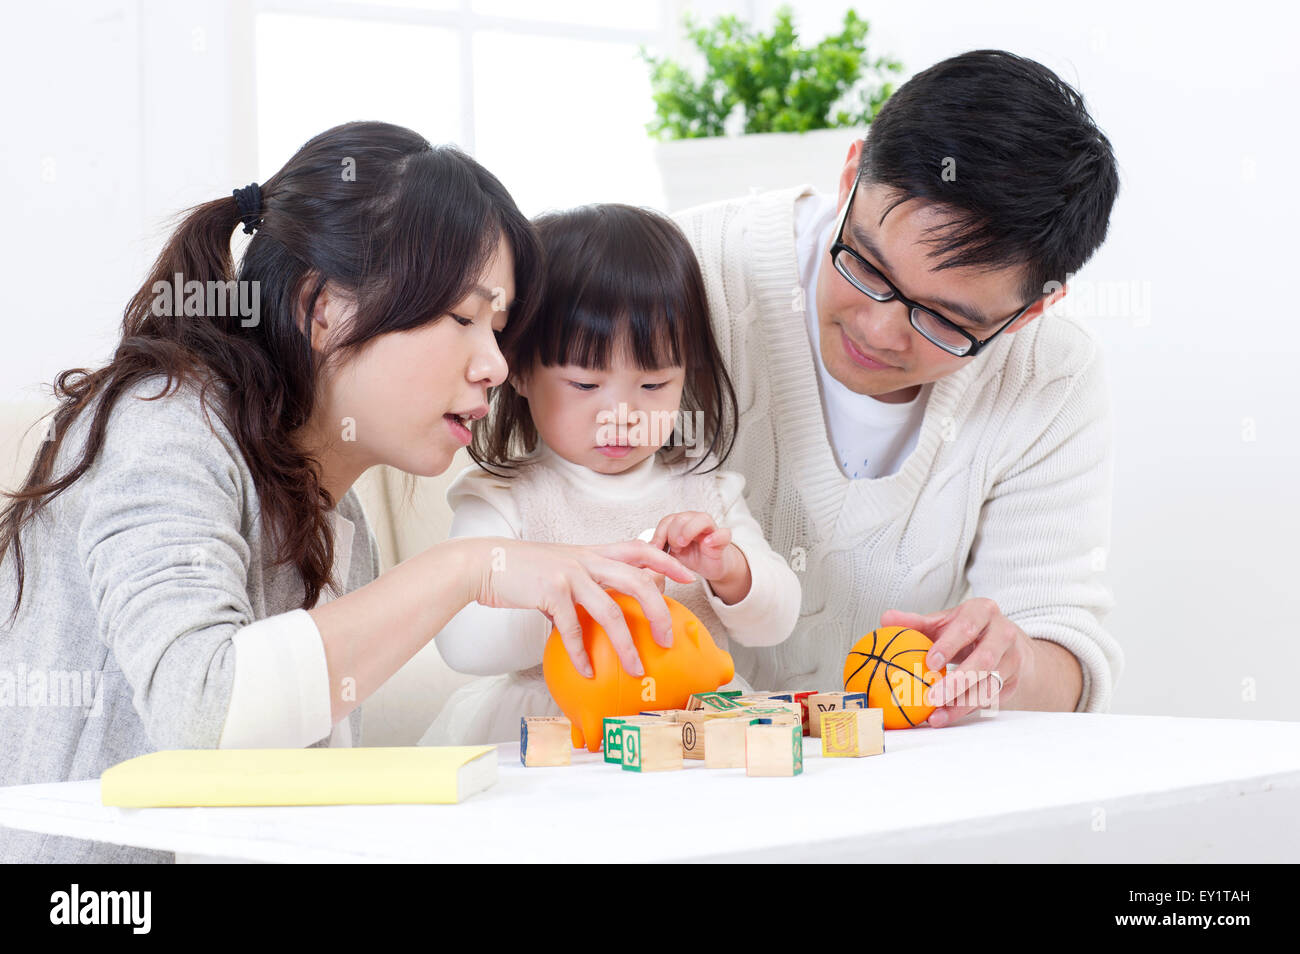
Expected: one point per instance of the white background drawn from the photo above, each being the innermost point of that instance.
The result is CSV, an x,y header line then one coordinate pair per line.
x,y
118,114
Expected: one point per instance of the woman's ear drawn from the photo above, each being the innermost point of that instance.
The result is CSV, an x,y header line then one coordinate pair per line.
x,y
309,313
326,312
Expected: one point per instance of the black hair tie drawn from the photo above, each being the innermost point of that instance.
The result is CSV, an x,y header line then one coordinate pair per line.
x,y
249,200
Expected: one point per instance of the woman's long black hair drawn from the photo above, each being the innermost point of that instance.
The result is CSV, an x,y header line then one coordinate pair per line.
x,y
403,227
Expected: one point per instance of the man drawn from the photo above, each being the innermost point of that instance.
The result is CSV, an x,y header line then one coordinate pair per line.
x,y
919,444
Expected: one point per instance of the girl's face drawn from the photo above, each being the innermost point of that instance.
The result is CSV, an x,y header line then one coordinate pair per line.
x,y
394,402
608,421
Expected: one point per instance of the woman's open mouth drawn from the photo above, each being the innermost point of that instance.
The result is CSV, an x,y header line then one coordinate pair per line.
x,y
459,424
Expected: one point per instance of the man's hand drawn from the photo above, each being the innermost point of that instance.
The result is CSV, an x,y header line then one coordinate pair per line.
x,y
985,647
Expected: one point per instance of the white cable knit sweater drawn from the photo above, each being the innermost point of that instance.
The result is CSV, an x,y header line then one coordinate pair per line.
x,y
1006,495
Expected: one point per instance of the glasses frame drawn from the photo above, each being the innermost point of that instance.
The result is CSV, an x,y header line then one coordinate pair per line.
x,y
838,246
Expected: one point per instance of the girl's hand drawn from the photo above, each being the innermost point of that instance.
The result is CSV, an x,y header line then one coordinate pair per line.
x,y
700,545
554,577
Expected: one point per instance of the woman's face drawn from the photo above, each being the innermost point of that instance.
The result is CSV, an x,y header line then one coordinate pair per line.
x,y
608,421
396,402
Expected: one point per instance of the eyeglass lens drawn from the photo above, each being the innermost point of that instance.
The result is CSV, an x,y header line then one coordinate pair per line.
x,y
870,281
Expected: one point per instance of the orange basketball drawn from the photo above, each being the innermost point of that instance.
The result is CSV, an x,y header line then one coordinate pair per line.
x,y
888,664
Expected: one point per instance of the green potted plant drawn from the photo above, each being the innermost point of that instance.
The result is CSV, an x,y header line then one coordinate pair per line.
x,y
761,110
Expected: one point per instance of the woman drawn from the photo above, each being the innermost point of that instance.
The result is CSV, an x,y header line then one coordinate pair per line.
x,y
186,562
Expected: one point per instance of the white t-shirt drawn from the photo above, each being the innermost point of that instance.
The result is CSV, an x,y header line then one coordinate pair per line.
x,y
871,438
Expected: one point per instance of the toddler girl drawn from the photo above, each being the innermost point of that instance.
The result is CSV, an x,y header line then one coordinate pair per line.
x,y
613,425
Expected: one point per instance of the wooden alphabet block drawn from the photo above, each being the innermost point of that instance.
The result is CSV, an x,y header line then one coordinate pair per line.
x,y
710,700
796,700
786,704
692,723
777,714
774,749
822,702
652,747
545,740
614,735
759,698
802,698
853,733
724,740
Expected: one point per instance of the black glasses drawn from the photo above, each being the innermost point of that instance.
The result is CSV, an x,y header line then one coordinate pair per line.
x,y
935,328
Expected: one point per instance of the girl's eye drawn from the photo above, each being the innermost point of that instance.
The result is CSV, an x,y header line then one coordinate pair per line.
x,y
655,387
582,386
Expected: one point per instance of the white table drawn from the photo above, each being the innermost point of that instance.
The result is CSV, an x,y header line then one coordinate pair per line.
x,y
1020,786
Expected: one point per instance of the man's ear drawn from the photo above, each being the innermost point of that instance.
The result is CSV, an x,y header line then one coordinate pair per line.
x,y
848,173
1054,294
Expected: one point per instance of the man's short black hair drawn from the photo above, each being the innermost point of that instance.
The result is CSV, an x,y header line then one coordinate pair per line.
x,y
1010,151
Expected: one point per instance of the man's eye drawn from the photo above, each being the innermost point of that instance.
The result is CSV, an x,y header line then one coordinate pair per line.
x,y
582,386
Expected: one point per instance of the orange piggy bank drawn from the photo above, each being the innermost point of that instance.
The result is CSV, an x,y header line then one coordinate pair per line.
x,y
693,663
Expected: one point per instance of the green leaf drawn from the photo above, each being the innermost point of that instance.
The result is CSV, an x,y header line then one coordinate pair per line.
x,y
778,84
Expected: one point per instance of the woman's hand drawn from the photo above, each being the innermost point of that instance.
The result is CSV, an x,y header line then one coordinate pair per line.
x,y
554,578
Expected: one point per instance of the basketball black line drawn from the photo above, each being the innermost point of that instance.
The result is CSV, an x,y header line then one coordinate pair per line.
x,y
912,673
879,659
888,662
892,698
870,656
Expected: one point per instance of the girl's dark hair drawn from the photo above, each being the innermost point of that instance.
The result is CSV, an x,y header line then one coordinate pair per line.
x,y
616,277
401,227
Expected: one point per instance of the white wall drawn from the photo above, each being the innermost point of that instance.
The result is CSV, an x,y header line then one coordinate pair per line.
x,y
116,115
119,112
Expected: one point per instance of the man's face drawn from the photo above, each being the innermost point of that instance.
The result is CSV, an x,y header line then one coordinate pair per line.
x,y
855,329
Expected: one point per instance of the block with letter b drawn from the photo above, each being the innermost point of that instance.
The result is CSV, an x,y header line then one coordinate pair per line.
x,y
614,734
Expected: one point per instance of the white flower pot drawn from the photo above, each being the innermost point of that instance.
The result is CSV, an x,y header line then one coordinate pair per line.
x,y
723,167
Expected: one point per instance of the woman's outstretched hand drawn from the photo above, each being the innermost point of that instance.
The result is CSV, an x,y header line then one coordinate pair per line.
x,y
555,578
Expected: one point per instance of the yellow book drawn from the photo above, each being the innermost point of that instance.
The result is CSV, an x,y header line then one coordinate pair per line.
x,y
323,776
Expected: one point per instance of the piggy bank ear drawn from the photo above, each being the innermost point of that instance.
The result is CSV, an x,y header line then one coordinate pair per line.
x,y
692,630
